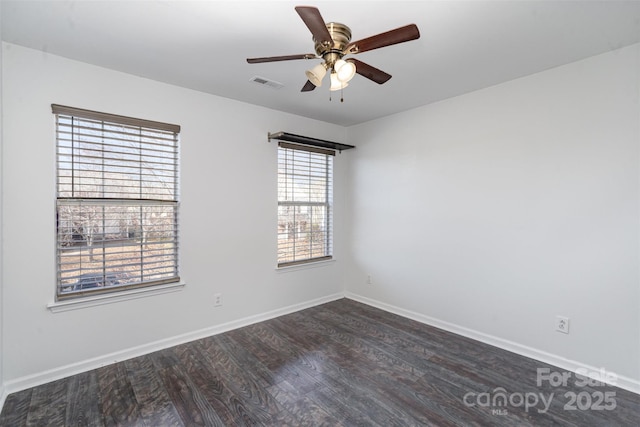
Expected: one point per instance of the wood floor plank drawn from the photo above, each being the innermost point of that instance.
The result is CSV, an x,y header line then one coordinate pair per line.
x,y
82,401
211,384
357,405
396,339
337,364
16,408
48,404
447,397
245,385
193,408
117,398
288,367
245,355
153,401
381,362
305,411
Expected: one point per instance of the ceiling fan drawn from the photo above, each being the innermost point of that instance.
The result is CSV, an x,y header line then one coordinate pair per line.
x,y
332,43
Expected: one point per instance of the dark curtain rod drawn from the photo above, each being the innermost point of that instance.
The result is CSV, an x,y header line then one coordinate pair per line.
x,y
314,142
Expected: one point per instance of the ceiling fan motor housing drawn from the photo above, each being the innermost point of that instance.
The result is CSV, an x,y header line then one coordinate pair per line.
x,y
341,36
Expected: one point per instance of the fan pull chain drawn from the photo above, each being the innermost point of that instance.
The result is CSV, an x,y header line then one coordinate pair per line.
x,y
341,95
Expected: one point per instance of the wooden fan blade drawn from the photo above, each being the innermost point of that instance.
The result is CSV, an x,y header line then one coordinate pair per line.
x,y
399,35
313,20
280,58
308,87
372,73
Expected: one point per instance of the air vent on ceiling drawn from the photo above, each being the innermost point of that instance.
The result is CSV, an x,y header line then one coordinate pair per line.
x,y
266,82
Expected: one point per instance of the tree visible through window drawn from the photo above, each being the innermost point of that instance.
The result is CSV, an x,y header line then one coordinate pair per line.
x,y
305,193
117,202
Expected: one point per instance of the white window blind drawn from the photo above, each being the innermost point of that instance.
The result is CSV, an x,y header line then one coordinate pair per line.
x,y
305,196
117,202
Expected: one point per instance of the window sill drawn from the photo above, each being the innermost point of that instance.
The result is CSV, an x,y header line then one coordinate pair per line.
x,y
305,266
92,301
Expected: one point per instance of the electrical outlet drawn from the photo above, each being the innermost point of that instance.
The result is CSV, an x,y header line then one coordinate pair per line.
x,y
217,300
562,324
369,281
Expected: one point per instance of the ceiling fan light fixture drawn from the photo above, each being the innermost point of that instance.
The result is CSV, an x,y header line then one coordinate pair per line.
x,y
316,74
344,70
336,84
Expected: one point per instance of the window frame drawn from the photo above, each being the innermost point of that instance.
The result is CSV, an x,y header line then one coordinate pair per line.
x,y
158,198
315,153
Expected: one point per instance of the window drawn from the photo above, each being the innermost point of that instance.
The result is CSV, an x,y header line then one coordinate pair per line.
x,y
305,193
116,204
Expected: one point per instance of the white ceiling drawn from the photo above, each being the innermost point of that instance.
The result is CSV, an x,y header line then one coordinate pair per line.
x,y
203,45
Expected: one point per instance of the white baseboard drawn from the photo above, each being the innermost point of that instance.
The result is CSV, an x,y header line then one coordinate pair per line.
x,y
40,378
542,356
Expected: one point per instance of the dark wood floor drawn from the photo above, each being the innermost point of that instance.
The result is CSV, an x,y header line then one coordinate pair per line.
x,y
338,364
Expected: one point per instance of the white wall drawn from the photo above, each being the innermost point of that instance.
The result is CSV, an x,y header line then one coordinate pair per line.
x,y
495,211
228,216
2,392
